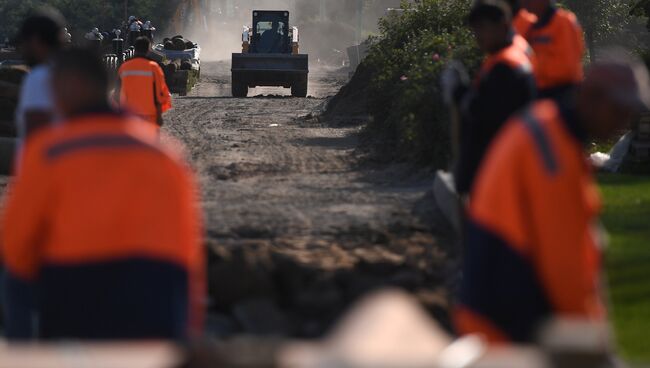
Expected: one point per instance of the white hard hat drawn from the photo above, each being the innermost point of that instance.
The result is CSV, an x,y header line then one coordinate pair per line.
x,y
131,18
95,30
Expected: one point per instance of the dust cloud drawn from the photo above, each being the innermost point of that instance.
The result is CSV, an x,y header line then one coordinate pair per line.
x,y
327,27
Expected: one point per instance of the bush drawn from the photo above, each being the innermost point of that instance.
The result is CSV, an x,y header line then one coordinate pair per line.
x,y
406,60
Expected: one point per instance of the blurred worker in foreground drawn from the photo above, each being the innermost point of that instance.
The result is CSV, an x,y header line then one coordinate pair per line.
x,y
558,42
102,224
532,251
40,37
504,85
142,87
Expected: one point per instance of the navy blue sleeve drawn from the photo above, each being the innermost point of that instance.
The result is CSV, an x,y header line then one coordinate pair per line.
x,y
500,285
18,308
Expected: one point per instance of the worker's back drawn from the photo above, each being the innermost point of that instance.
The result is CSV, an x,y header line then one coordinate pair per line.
x,y
105,222
531,251
143,89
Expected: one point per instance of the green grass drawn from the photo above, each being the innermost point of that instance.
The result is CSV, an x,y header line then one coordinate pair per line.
x,y
627,219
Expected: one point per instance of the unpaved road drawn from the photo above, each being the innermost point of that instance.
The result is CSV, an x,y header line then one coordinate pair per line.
x,y
298,223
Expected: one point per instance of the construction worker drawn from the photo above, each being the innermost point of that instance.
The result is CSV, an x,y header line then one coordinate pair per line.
x,y
558,42
135,28
504,85
142,85
532,251
101,232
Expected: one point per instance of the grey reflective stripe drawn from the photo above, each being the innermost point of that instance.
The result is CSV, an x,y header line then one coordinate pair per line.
x,y
96,142
541,141
136,73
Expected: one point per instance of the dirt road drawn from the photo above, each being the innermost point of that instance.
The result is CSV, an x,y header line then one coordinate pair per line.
x,y
299,224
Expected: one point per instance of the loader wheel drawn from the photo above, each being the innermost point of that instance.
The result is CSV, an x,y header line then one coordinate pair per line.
x,y
239,90
299,89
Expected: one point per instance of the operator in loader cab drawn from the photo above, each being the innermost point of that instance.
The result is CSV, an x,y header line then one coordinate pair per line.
x,y
270,39
101,231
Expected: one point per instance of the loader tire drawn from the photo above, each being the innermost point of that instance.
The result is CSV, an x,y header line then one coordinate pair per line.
x,y
239,90
299,89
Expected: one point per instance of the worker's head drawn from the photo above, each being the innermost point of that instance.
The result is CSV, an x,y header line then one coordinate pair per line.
x,y
275,26
491,21
41,35
142,46
79,82
537,7
614,91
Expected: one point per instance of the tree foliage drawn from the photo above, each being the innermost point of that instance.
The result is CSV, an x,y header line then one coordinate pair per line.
x,y
406,61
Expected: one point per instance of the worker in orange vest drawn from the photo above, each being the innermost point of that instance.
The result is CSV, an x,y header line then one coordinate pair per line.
x,y
504,85
142,86
558,42
101,233
531,250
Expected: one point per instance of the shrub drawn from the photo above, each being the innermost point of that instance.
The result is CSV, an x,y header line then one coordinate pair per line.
x,y
406,60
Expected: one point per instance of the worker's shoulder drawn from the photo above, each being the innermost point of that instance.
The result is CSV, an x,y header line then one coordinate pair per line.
x,y
139,62
117,132
567,17
525,130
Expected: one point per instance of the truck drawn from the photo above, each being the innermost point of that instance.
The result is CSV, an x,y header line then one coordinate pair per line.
x,y
270,56
182,67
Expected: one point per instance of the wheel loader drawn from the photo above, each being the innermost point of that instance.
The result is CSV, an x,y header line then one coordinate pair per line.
x,y
270,56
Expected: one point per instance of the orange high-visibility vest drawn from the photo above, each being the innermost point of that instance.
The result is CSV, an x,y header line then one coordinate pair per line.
x,y
558,42
531,251
106,220
143,87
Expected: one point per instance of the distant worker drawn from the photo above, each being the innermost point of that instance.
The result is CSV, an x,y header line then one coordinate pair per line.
x,y
67,37
40,36
270,39
558,42
504,85
135,30
532,251
148,30
103,225
94,40
142,86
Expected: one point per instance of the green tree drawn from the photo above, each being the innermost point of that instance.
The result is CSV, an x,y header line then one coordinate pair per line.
x,y
603,20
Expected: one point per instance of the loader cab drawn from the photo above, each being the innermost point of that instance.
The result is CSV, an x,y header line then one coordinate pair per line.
x,y
270,33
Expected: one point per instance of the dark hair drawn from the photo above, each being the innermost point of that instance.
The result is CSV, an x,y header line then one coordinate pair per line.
x,y
84,63
46,24
142,45
495,11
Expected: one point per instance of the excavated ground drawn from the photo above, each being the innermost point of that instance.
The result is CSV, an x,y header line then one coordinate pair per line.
x,y
300,222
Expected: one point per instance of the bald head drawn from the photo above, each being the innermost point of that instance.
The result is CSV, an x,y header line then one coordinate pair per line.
x,y
615,89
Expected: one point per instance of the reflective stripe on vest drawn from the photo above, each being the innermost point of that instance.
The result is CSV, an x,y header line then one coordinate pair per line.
x,y
136,73
542,142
